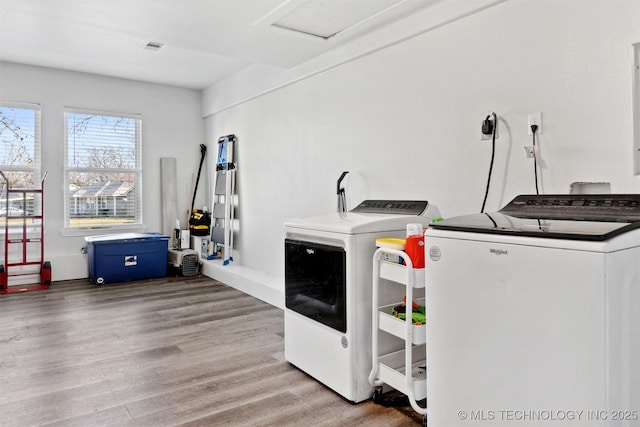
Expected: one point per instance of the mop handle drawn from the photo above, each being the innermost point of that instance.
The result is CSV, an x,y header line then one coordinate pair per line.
x,y
203,150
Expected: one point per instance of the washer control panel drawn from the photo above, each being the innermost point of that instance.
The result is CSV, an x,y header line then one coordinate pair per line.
x,y
598,207
397,207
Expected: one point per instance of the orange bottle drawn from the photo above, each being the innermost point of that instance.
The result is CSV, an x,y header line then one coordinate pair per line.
x,y
414,246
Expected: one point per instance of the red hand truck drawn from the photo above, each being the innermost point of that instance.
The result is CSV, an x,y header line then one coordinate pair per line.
x,y
24,231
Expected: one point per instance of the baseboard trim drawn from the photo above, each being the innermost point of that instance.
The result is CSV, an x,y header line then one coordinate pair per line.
x,y
249,281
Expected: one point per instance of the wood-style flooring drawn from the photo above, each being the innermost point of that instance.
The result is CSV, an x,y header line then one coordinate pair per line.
x,y
187,351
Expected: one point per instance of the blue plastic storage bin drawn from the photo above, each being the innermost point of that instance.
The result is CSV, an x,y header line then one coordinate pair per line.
x,y
124,257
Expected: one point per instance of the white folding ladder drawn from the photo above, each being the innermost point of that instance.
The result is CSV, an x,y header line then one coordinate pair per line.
x,y
222,216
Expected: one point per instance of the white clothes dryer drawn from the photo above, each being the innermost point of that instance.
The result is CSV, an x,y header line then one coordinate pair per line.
x,y
328,283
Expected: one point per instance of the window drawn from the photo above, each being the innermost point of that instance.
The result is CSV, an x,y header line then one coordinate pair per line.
x,y
102,170
19,157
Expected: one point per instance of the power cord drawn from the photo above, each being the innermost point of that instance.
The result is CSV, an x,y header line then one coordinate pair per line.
x,y
534,129
486,124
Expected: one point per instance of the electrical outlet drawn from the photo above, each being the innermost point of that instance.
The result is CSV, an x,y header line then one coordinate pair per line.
x,y
530,151
535,119
485,136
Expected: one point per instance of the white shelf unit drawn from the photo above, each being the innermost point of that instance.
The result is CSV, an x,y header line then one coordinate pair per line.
x,y
404,370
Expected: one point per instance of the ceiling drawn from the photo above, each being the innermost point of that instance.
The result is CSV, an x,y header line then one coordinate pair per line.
x,y
202,41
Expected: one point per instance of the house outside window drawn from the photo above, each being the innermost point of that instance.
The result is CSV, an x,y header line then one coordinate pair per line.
x,y
20,159
103,171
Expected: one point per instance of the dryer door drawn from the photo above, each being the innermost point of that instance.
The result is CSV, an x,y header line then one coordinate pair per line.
x,y
315,282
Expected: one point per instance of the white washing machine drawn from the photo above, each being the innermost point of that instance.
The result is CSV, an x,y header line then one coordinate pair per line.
x,y
328,280
533,314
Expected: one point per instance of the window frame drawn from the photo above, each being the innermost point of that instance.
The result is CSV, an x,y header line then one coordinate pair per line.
x,y
69,229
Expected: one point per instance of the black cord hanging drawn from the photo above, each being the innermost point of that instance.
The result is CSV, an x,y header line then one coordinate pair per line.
x,y
493,154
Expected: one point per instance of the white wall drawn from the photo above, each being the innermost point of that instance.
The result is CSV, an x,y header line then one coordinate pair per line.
x,y
405,119
171,127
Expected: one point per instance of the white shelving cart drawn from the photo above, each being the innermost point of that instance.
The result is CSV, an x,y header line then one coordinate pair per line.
x,y
405,369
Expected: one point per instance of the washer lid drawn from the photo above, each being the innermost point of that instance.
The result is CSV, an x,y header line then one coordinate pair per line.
x,y
356,223
370,216
577,217
499,223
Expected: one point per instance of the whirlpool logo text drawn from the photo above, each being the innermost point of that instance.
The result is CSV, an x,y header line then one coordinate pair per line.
x,y
498,251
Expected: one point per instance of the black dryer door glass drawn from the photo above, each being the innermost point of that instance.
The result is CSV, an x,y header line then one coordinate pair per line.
x,y
315,282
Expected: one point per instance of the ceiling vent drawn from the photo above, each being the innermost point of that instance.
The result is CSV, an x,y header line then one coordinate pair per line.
x,y
155,46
